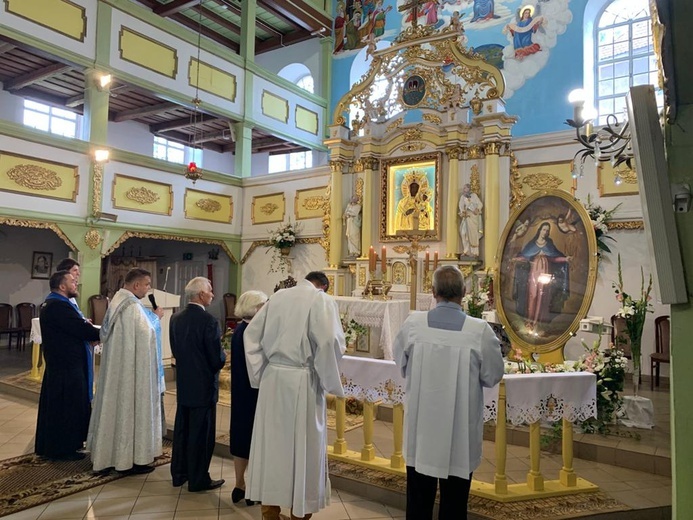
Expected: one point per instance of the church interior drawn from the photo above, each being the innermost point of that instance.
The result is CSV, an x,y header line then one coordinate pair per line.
x,y
254,141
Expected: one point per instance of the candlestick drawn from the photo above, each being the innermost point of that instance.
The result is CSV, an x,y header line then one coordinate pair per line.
x,y
426,261
435,260
383,260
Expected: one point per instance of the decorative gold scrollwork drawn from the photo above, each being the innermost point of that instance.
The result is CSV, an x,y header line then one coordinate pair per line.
x,y
35,177
269,208
92,238
208,205
142,195
539,181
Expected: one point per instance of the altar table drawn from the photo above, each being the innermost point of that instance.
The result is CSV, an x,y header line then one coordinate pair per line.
x,y
36,353
385,317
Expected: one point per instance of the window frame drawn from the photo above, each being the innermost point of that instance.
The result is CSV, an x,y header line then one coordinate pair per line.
x,y
52,117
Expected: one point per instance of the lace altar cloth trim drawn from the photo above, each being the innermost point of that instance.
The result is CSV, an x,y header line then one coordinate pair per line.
x,y
388,316
35,334
546,397
529,397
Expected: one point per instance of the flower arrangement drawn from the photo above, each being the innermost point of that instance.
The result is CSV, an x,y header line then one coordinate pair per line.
x,y
600,218
352,329
476,301
634,312
610,368
284,236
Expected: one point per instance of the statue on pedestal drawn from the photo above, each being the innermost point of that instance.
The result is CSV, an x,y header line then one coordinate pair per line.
x,y
352,226
471,221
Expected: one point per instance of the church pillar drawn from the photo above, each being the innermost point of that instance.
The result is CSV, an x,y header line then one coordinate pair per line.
x,y
89,241
248,13
491,202
326,46
451,229
337,167
244,149
370,166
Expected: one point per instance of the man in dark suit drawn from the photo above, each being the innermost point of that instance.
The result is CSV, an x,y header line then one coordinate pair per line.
x,y
64,405
196,344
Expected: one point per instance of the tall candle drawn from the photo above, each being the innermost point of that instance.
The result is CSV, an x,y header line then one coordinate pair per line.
x,y
435,260
426,261
371,259
383,260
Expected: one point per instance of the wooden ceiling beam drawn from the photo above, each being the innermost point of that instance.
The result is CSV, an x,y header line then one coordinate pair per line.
x,y
258,23
35,76
135,113
218,19
184,139
42,97
6,47
174,7
191,24
180,123
279,42
301,13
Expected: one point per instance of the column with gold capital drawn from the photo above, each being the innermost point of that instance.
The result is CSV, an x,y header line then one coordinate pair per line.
x,y
370,166
336,167
491,202
455,153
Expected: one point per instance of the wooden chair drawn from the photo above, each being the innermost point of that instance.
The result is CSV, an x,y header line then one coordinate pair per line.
x,y
229,305
6,324
98,305
661,354
25,313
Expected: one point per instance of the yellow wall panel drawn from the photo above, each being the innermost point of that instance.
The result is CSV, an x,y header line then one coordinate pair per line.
x,y
142,195
268,208
275,107
606,175
547,176
212,80
20,174
61,16
202,205
309,203
306,120
145,52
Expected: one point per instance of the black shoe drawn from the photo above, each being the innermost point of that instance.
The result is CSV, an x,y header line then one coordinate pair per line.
x,y
249,502
178,482
138,469
237,495
213,484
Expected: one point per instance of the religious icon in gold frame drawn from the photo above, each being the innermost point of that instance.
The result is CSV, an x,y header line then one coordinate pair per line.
x,y
410,192
547,272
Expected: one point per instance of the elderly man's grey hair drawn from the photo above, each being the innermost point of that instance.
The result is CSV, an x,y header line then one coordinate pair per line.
x,y
248,304
196,286
448,283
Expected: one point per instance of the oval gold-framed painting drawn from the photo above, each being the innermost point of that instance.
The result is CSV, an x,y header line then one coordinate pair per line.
x,y
547,270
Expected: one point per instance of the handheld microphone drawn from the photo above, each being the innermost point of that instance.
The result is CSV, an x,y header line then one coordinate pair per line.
x,y
152,300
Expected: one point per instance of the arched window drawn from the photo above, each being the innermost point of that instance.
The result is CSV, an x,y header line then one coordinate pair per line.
x,y
621,53
306,83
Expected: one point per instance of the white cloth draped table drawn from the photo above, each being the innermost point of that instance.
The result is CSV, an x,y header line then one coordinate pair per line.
x,y
529,397
35,335
385,315
424,301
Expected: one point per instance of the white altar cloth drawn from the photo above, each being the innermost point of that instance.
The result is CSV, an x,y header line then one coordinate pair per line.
x,y
35,334
529,397
386,315
637,412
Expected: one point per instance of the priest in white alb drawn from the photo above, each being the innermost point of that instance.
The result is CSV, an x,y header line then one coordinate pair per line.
x,y
292,348
125,426
447,359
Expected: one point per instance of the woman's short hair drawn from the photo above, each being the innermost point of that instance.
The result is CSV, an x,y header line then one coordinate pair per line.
x,y
196,286
247,304
448,283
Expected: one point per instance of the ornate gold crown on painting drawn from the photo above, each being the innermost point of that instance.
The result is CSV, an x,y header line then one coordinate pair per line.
x,y
418,176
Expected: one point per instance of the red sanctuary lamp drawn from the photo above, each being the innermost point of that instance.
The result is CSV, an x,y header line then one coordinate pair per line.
x,y
192,172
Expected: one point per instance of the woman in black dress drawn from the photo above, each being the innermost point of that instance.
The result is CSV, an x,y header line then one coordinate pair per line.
x,y
243,397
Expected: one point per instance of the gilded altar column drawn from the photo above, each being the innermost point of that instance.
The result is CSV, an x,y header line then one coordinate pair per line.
x,y
491,202
451,229
370,165
337,168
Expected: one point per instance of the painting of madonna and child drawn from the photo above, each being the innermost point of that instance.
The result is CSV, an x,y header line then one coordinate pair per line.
x,y
548,270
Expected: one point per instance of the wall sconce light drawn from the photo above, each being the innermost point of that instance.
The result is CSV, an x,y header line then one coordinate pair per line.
x,y
610,143
101,155
104,81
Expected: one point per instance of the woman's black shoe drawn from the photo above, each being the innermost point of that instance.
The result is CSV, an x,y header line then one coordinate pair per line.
x,y
249,502
237,495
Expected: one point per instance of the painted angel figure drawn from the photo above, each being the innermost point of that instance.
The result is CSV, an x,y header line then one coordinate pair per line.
x,y
522,31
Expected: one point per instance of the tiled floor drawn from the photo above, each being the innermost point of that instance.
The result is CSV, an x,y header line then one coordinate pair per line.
x,y
153,497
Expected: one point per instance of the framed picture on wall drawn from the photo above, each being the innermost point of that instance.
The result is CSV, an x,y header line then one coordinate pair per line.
x,y
410,189
41,265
